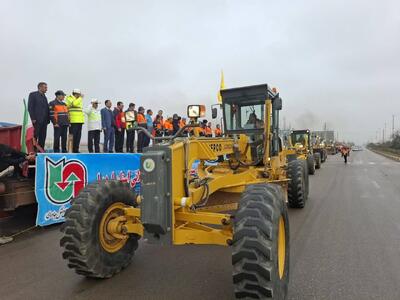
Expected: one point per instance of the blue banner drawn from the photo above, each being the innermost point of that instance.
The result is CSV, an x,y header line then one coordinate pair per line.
x,y
60,177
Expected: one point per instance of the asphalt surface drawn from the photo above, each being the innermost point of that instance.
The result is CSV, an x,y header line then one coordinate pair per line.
x,y
345,244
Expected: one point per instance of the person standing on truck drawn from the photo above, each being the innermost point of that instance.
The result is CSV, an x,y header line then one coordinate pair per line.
x,y
141,122
208,130
75,107
218,131
120,126
130,119
38,108
60,118
108,124
158,124
94,126
149,119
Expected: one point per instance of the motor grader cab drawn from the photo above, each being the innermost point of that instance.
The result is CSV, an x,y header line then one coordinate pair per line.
x,y
300,141
331,148
320,150
175,205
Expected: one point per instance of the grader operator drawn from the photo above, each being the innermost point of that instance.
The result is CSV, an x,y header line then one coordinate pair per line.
x,y
106,220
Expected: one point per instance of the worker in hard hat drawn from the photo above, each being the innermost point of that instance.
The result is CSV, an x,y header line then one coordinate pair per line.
x,y
94,126
77,118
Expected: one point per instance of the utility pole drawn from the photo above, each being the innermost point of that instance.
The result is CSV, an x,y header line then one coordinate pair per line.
x,y
392,126
383,135
325,131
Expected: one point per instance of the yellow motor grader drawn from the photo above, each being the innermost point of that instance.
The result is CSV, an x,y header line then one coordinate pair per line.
x,y
177,206
300,142
319,147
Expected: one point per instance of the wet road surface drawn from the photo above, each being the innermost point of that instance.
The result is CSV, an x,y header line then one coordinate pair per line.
x,y
345,244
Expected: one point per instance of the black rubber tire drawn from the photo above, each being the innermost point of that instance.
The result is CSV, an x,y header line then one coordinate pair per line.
x,y
80,239
317,157
306,180
255,244
298,184
323,156
311,164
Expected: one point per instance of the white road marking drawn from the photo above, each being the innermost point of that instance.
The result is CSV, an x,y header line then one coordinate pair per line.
x,y
376,184
371,163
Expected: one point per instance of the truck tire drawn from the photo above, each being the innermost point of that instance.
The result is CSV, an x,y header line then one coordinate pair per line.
x,y
311,164
317,157
89,249
306,180
260,254
323,156
297,186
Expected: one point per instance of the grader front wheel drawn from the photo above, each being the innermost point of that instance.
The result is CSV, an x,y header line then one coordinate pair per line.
x,y
88,245
260,255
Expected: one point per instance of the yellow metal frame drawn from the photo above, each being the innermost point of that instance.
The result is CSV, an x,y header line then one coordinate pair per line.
x,y
197,224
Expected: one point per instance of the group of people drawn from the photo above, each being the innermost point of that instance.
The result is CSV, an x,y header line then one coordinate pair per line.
x,y
67,113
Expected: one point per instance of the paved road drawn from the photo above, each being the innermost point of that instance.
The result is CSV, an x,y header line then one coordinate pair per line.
x,y
344,245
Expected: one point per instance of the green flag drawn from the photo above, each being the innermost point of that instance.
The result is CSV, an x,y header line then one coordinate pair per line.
x,y
24,127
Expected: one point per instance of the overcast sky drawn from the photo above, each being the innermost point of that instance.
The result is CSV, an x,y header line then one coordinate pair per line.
x,y
332,61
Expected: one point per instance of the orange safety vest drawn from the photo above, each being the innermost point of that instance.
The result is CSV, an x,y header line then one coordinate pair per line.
x,y
159,123
182,123
141,119
168,125
217,132
208,131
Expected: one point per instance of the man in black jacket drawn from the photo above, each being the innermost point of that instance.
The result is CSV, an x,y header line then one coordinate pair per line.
x,y
38,108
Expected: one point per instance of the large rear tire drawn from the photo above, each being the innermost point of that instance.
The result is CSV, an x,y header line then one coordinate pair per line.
x,y
311,164
324,156
88,247
260,254
317,157
298,184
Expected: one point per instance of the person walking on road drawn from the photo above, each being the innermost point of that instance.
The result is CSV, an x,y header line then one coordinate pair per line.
x,y
130,119
60,118
345,153
141,122
94,126
38,108
76,117
120,126
108,124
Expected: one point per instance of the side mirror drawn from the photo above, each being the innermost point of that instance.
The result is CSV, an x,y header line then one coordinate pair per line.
x,y
214,112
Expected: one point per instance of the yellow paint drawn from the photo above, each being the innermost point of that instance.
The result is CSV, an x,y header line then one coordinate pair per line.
x,y
281,247
111,241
